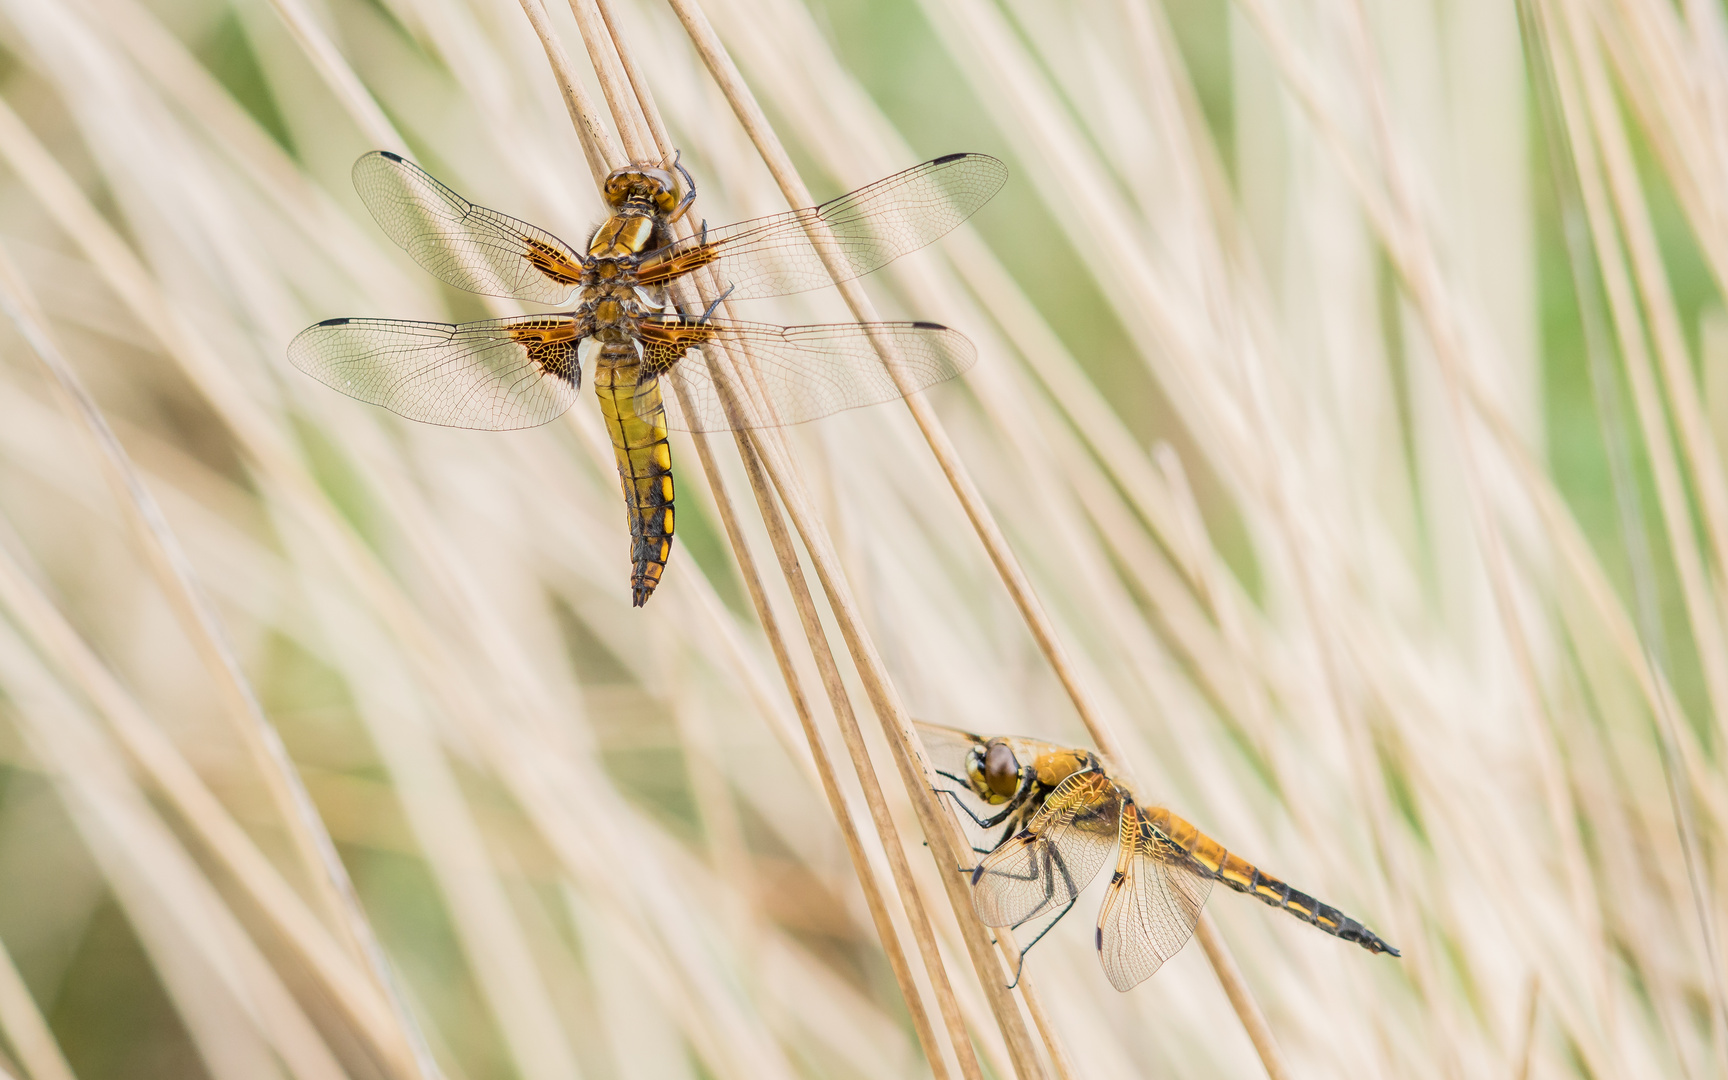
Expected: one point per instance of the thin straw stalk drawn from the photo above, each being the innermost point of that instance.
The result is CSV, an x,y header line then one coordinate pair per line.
x,y
235,1007
831,678
328,61
919,781
883,823
1625,274
1611,265
589,129
155,755
1400,229
325,869
164,554
620,99
26,1030
900,736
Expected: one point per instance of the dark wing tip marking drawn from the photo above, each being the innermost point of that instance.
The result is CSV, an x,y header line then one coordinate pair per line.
x,y
390,155
929,326
1098,938
336,322
950,157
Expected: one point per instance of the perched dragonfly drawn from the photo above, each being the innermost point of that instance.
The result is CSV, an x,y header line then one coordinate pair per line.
x,y
520,372
1060,815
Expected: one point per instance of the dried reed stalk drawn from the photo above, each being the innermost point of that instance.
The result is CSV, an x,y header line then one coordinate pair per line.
x,y
755,123
243,1015
26,1030
1609,260
163,553
919,780
1224,682
157,757
600,35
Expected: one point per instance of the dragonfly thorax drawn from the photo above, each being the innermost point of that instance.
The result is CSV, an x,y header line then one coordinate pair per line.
x,y
625,233
615,308
1056,765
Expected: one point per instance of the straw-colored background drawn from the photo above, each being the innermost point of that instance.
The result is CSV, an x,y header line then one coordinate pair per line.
x,y
1285,403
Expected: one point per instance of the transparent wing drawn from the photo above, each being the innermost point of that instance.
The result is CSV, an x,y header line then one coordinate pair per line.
x,y
1059,852
946,747
794,373
1152,904
493,375
858,232
467,246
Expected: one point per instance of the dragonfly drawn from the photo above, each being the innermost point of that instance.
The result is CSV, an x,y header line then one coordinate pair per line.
x,y
1061,814
622,323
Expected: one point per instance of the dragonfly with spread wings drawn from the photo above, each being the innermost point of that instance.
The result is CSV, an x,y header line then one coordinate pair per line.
x,y
1060,815
500,374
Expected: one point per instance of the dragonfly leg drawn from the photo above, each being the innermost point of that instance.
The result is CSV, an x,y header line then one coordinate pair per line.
x,y
982,823
689,198
715,304
1054,863
1067,878
1020,965
962,806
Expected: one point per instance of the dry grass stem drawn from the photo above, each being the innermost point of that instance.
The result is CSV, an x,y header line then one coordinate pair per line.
x,y
25,1029
1290,476
637,149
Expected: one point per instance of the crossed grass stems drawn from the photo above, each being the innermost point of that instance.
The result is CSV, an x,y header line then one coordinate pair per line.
x,y
733,375
1058,878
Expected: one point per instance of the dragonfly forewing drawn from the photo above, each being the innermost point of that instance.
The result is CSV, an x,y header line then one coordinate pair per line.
x,y
947,748
780,375
1056,855
464,245
495,375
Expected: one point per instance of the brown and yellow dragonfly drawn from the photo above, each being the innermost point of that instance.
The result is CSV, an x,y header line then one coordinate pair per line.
x,y
500,374
1060,815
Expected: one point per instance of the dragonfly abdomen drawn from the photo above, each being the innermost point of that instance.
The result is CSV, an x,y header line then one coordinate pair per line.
x,y
636,421
1212,859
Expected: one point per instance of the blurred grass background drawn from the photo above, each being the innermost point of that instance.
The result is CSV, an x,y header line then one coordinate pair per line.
x,y
586,836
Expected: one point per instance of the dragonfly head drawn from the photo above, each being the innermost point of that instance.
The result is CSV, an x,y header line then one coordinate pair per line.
x,y
641,187
993,771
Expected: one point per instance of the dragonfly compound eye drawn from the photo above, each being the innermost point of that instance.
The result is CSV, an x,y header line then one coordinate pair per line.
x,y
634,183
975,777
1001,770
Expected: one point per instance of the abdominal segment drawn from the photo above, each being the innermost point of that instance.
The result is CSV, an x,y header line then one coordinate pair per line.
x,y
1209,857
636,421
